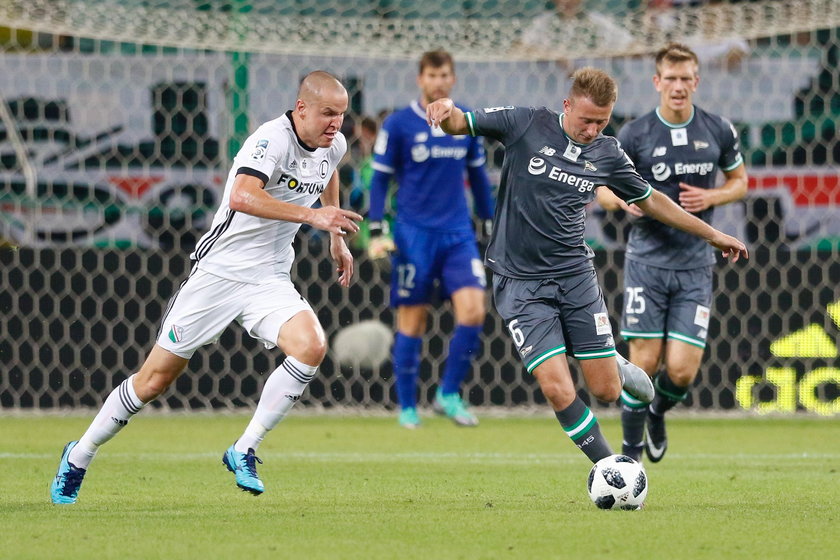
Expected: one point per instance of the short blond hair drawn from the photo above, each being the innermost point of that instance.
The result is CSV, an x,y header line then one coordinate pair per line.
x,y
674,53
596,85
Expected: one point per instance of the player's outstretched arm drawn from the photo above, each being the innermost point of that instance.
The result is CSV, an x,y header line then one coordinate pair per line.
x,y
662,208
610,202
247,196
447,116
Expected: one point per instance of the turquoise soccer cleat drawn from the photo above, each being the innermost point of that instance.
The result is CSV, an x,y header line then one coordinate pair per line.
x,y
65,486
244,466
453,407
409,419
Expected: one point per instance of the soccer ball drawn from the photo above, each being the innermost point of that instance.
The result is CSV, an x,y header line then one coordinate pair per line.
x,y
617,482
364,344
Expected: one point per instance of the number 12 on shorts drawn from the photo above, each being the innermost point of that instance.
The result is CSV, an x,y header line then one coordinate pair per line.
x,y
635,301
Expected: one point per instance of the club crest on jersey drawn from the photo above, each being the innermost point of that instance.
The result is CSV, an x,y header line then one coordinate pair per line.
x,y
700,145
488,110
176,334
323,168
572,152
589,166
659,151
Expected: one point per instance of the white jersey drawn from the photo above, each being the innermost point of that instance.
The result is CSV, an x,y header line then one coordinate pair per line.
x,y
254,250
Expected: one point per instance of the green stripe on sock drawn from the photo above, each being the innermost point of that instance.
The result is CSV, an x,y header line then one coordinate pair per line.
x,y
582,426
630,401
658,386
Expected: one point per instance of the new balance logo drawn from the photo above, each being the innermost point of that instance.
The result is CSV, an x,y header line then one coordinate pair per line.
x,y
659,151
589,167
119,422
548,151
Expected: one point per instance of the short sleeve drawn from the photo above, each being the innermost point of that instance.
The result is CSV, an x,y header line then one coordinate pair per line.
x,y
505,124
730,147
260,154
386,147
624,180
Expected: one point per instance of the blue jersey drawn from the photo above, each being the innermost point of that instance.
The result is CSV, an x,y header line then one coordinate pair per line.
x,y
430,167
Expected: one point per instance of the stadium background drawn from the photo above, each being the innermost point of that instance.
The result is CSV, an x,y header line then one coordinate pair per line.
x,y
118,121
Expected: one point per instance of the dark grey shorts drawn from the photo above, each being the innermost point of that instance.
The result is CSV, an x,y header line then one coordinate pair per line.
x,y
660,303
547,317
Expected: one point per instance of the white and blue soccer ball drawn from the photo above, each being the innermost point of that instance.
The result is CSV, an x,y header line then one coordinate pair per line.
x,y
617,482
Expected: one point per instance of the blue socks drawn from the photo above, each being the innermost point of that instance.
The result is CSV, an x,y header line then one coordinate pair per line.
x,y
406,357
462,348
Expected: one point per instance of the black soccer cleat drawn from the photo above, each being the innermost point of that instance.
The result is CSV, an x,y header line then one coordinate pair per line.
x,y
656,438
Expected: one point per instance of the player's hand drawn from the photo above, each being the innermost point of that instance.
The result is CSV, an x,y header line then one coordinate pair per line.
x,y
694,199
343,259
730,247
380,247
438,111
335,220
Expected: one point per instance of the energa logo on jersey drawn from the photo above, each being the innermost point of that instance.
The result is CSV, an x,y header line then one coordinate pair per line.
x,y
662,171
538,166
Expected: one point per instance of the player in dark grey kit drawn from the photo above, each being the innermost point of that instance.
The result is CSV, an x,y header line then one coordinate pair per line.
x,y
679,148
545,286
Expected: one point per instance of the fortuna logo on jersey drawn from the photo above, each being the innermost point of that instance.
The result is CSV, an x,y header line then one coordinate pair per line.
x,y
538,166
295,185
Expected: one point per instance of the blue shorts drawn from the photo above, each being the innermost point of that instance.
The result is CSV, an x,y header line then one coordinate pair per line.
x,y
429,262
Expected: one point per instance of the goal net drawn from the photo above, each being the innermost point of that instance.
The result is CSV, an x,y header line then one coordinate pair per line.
x,y
118,120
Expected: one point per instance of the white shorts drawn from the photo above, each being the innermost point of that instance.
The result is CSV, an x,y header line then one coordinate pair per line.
x,y
206,304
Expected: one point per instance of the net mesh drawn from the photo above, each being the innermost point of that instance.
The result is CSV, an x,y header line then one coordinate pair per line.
x,y
118,121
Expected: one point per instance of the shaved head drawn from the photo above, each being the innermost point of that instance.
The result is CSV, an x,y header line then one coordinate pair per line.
x,y
318,84
319,109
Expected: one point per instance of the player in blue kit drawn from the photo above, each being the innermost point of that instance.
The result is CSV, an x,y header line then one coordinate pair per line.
x,y
544,283
679,148
433,238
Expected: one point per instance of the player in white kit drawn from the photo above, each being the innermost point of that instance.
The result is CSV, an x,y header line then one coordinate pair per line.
x,y
241,273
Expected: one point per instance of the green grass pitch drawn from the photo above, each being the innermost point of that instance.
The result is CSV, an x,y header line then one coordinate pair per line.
x,y
360,487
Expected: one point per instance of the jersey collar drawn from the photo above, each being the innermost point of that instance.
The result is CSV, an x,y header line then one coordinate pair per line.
x,y
418,110
301,142
678,125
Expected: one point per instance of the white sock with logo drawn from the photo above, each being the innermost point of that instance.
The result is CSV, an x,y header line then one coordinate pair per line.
x,y
282,390
119,407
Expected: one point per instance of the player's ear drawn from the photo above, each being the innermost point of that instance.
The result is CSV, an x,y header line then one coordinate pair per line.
x,y
300,107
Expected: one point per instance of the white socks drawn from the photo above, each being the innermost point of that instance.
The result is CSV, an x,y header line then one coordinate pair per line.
x,y
282,390
118,409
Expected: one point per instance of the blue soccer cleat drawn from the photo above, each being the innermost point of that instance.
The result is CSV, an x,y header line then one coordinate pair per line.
x,y
65,486
244,466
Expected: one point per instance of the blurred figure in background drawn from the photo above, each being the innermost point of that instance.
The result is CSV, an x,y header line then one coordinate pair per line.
x,y
679,149
434,238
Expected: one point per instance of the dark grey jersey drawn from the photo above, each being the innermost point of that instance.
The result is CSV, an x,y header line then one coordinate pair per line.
x,y
547,181
667,155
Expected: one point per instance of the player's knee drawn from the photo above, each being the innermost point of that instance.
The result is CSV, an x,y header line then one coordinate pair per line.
x,y
607,392
150,384
308,347
682,376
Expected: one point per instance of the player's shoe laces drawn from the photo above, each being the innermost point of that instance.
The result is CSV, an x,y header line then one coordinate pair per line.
x,y
409,419
656,439
453,407
65,486
634,380
244,466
